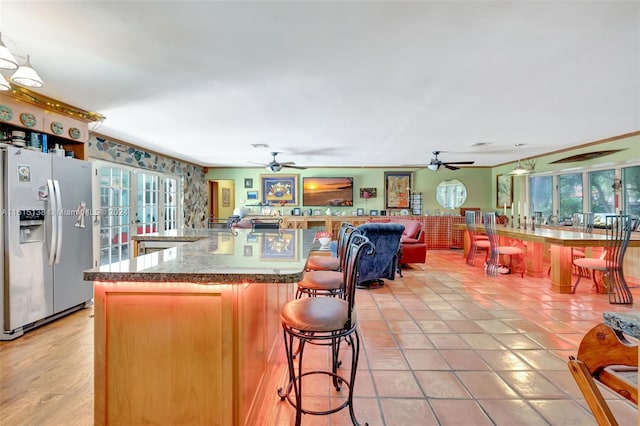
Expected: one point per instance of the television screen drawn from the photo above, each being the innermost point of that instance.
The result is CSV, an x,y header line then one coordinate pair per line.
x,y
327,191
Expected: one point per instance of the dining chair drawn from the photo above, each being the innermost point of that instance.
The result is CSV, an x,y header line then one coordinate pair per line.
x,y
477,241
325,321
618,232
496,250
582,222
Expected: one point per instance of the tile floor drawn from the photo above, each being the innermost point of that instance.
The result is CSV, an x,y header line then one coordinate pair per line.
x,y
452,346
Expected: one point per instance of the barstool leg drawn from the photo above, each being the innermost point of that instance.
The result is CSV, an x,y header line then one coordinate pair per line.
x,y
355,354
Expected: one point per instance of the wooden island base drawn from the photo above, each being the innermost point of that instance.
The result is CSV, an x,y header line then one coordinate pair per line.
x,y
183,353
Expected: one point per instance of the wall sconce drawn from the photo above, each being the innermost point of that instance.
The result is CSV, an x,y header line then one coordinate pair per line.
x,y
25,75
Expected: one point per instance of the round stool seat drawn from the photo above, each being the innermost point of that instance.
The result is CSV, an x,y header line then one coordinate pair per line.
x,y
509,250
591,263
316,314
482,243
323,263
322,280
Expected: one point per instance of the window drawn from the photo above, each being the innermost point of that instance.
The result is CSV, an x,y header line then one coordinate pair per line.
x,y
115,213
631,190
170,203
542,195
569,195
155,206
601,197
148,189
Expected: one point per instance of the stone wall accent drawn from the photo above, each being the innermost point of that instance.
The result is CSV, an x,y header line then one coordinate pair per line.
x,y
195,186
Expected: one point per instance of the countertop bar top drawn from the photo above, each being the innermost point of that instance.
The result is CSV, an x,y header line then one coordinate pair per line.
x,y
627,322
239,256
177,235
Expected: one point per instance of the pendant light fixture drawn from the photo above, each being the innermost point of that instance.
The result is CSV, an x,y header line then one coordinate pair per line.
x,y
520,170
27,76
7,60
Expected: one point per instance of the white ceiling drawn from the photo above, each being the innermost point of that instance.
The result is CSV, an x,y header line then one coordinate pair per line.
x,y
340,83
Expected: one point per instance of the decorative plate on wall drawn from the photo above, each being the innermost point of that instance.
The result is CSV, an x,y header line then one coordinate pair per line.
x,y
28,119
57,128
6,113
74,132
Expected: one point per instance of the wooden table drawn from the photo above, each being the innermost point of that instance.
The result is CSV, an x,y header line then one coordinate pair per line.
x,y
561,241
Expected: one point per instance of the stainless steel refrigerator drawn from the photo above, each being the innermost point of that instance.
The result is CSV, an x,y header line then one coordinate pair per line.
x,y
47,238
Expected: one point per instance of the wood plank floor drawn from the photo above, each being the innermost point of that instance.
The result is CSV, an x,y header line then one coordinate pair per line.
x,y
446,345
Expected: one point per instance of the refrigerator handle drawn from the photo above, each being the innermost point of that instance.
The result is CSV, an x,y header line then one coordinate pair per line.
x,y
54,221
56,187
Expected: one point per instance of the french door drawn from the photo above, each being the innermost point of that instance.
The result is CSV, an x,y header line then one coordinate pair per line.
x,y
133,202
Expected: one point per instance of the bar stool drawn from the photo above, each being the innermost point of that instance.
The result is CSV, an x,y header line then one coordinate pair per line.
x,y
327,283
324,321
331,263
618,232
496,249
476,241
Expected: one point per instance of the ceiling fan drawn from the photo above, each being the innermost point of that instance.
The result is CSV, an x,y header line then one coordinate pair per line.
x,y
436,164
275,166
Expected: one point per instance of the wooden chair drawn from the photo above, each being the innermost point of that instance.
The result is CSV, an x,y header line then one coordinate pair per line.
x,y
618,231
605,356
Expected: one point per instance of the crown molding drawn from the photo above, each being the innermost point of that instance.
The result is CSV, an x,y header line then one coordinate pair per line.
x,y
54,105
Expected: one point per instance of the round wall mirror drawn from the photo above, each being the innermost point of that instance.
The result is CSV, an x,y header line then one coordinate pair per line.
x,y
451,193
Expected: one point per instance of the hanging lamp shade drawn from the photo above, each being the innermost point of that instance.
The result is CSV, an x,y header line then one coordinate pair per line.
x,y
4,84
7,60
519,169
27,76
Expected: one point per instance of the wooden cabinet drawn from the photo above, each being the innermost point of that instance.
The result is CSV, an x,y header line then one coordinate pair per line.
x,y
183,353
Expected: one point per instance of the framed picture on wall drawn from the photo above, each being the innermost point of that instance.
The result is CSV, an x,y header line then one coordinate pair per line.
x,y
226,197
397,190
252,195
360,212
248,182
296,211
373,212
504,191
279,189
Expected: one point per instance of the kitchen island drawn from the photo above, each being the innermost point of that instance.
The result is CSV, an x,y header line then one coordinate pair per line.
x,y
185,335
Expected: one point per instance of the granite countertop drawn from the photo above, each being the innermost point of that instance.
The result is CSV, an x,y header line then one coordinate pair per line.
x,y
627,322
178,235
241,256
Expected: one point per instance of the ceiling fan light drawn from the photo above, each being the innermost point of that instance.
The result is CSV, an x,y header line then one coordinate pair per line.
x,y
4,84
27,76
433,167
7,60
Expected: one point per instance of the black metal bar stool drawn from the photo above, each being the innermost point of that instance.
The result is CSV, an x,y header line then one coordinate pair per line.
x,y
326,282
324,321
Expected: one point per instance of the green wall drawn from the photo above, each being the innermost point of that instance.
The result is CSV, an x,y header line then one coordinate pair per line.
x,y
480,181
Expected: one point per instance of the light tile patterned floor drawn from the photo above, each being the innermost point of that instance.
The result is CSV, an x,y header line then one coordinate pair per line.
x,y
449,345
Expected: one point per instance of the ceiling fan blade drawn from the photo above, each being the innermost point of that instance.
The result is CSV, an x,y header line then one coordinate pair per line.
x,y
459,162
291,166
261,164
450,167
